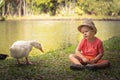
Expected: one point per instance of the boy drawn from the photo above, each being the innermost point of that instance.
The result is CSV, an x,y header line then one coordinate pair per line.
x,y
90,50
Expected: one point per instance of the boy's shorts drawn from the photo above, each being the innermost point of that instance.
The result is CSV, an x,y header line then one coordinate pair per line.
x,y
90,58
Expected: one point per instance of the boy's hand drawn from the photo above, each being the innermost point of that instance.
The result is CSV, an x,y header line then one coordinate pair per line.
x,y
98,57
92,61
85,60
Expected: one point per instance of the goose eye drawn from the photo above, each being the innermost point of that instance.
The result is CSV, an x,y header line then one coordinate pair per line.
x,y
39,45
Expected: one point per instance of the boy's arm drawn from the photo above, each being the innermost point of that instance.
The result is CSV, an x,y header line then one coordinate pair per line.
x,y
101,52
98,57
78,53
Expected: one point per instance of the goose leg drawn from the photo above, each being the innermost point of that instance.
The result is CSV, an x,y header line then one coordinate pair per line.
x,y
27,62
18,62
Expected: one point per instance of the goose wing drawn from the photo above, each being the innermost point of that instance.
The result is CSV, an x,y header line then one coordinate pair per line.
x,y
20,49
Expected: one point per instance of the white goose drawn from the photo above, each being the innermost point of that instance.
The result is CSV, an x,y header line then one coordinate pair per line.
x,y
21,49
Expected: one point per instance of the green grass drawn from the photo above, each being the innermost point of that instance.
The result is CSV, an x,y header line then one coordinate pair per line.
x,y
55,66
112,44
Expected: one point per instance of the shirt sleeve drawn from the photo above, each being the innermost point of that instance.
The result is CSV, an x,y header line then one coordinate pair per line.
x,y
100,47
80,45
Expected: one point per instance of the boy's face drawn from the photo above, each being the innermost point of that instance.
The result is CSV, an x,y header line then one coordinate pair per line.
x,y
87,32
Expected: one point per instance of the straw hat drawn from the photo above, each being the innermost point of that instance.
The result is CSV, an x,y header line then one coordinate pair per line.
x,y
89,23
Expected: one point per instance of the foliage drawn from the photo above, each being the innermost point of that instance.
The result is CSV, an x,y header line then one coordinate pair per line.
x,y
62,7
3,18
112,44
1,3
100,7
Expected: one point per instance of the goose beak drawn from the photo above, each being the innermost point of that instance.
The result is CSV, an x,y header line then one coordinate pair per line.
x,y
41,50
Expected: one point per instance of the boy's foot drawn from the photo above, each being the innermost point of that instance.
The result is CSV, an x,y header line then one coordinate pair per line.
x,y
90,67
76,67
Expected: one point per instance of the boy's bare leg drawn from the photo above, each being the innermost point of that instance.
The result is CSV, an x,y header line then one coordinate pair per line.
x,y
74,60
104,64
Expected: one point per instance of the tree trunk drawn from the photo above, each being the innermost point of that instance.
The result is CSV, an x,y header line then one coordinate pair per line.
x,y
24,7
19,8
3,9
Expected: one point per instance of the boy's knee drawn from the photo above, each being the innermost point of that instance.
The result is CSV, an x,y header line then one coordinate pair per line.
x,y
70,56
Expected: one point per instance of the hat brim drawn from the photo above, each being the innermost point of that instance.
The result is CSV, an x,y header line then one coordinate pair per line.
x,y
79,28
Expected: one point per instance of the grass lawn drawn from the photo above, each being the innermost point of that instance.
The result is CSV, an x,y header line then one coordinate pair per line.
x,y
55,66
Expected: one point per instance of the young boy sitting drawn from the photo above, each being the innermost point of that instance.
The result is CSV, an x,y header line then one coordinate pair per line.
x,y
90,50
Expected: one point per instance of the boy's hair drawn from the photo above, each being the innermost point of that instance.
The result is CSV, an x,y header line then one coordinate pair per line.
x,y
89,23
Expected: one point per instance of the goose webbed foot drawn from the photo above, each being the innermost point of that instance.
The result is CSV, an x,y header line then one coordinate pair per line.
x,y
18,62
27,62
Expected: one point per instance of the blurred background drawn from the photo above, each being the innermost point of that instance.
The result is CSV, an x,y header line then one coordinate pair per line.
x,y
54,23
